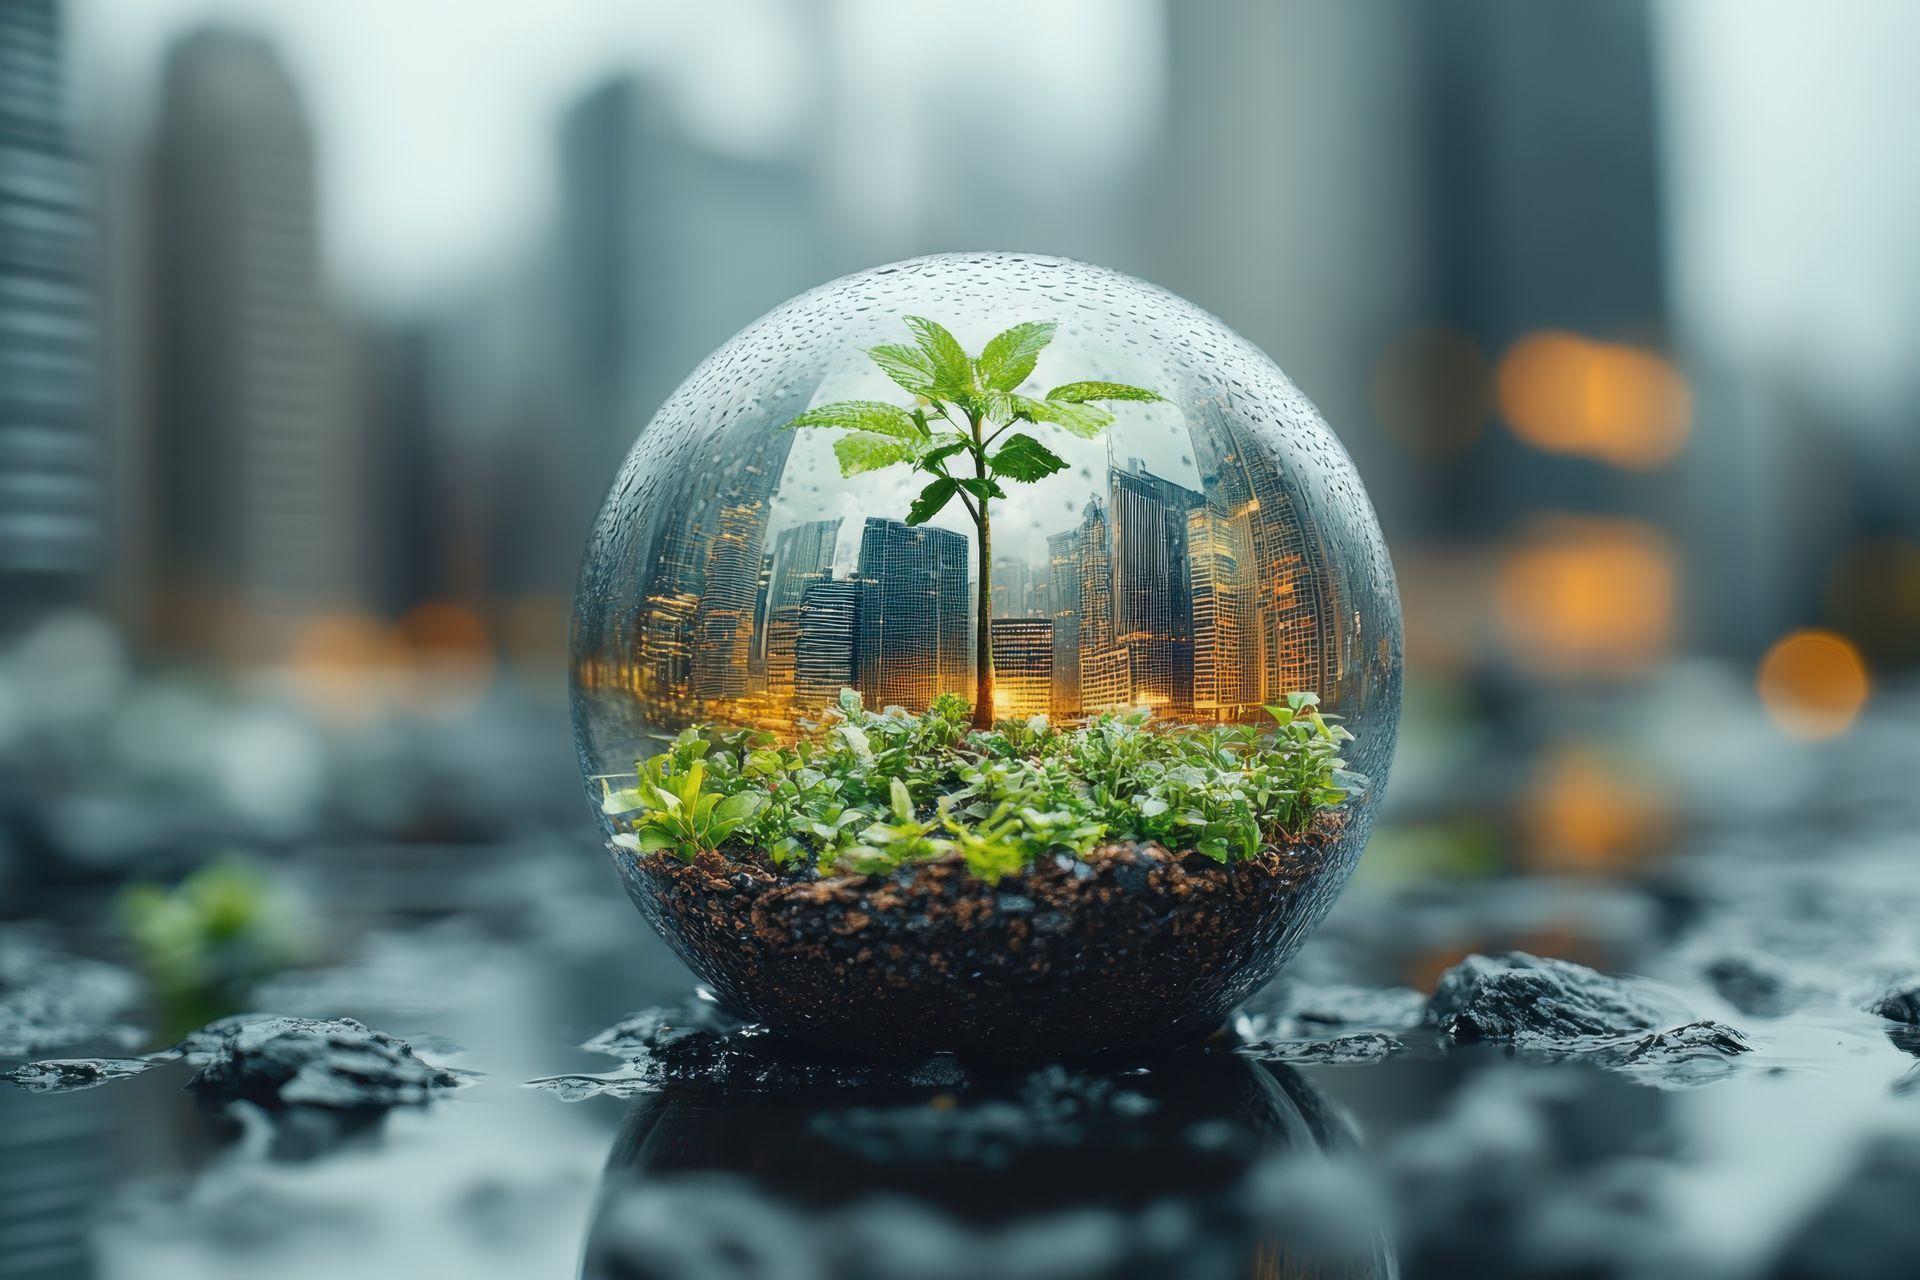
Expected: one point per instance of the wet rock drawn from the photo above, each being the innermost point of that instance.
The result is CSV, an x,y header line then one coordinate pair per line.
x,y
202,1046
1696,1053
70,1075
1867,1228
1693,1040
1516,998
1754,985
333,1064
1363,1046
1900,1003
49,1000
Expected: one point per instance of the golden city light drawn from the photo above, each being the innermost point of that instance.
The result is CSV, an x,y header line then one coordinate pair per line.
x,y
1588,596
452,656
1583,815
1620,404
342,667
1813,684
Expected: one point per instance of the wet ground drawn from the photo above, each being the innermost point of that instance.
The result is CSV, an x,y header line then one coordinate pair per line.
x,y
1703,1067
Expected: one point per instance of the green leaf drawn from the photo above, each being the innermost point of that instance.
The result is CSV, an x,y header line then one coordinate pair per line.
x,y
1006,361
863,452
1084,420
952,371
912,369
1081,392
902,800
861,415
1025,459
740,806
982,487
945,446
931,499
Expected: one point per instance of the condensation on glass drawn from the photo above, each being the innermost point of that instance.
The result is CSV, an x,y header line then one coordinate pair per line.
x,y
1203,558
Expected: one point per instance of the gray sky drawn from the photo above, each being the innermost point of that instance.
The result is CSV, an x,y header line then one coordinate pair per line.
x,y
436,117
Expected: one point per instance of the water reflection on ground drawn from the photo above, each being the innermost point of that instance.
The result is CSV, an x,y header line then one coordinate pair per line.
x,y
1621,1148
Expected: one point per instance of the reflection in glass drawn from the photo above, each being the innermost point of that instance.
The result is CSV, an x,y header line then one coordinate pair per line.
x,y
1202,558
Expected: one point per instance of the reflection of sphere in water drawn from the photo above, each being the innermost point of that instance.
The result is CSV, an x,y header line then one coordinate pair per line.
x,y
1203,557
1056,1174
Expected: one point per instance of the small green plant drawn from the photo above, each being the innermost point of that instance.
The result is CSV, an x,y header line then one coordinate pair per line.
x,y
871,792
975,400
682,816
206,942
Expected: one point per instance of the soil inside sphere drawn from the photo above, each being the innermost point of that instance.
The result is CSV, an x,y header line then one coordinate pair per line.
x,y
1133,947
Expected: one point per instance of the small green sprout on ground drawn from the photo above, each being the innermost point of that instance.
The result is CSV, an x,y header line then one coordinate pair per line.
x,y
868,792
206,943
963,406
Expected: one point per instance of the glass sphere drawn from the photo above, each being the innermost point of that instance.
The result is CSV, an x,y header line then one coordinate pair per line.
x,y
1203,556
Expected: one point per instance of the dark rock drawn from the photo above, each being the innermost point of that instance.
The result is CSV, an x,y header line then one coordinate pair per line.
x,y
335,1064
1697,1053
1516,998
1753,985
69,1075
1898,1003
1679,1044
49,1000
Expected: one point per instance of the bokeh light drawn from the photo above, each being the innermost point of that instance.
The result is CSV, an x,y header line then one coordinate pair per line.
x,y
1588,596
1586,815
342,667
1813,684
1618,404
452,656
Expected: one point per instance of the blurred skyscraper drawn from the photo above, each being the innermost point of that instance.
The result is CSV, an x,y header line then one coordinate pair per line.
x,y
666,249
50,458
258,467
1539,150
1284,195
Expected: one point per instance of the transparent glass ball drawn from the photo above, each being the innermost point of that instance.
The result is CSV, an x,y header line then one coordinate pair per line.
x,y
1202,557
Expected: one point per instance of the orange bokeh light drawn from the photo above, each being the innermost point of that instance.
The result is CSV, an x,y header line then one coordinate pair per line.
x,y
342,665
452,653
1584,816
1624,405
1813,684
1586,596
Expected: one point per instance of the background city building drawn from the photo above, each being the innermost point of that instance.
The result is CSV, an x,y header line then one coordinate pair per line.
x,y
52,467
257,464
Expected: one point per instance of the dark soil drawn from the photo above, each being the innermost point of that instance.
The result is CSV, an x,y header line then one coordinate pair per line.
x,y
1133,948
